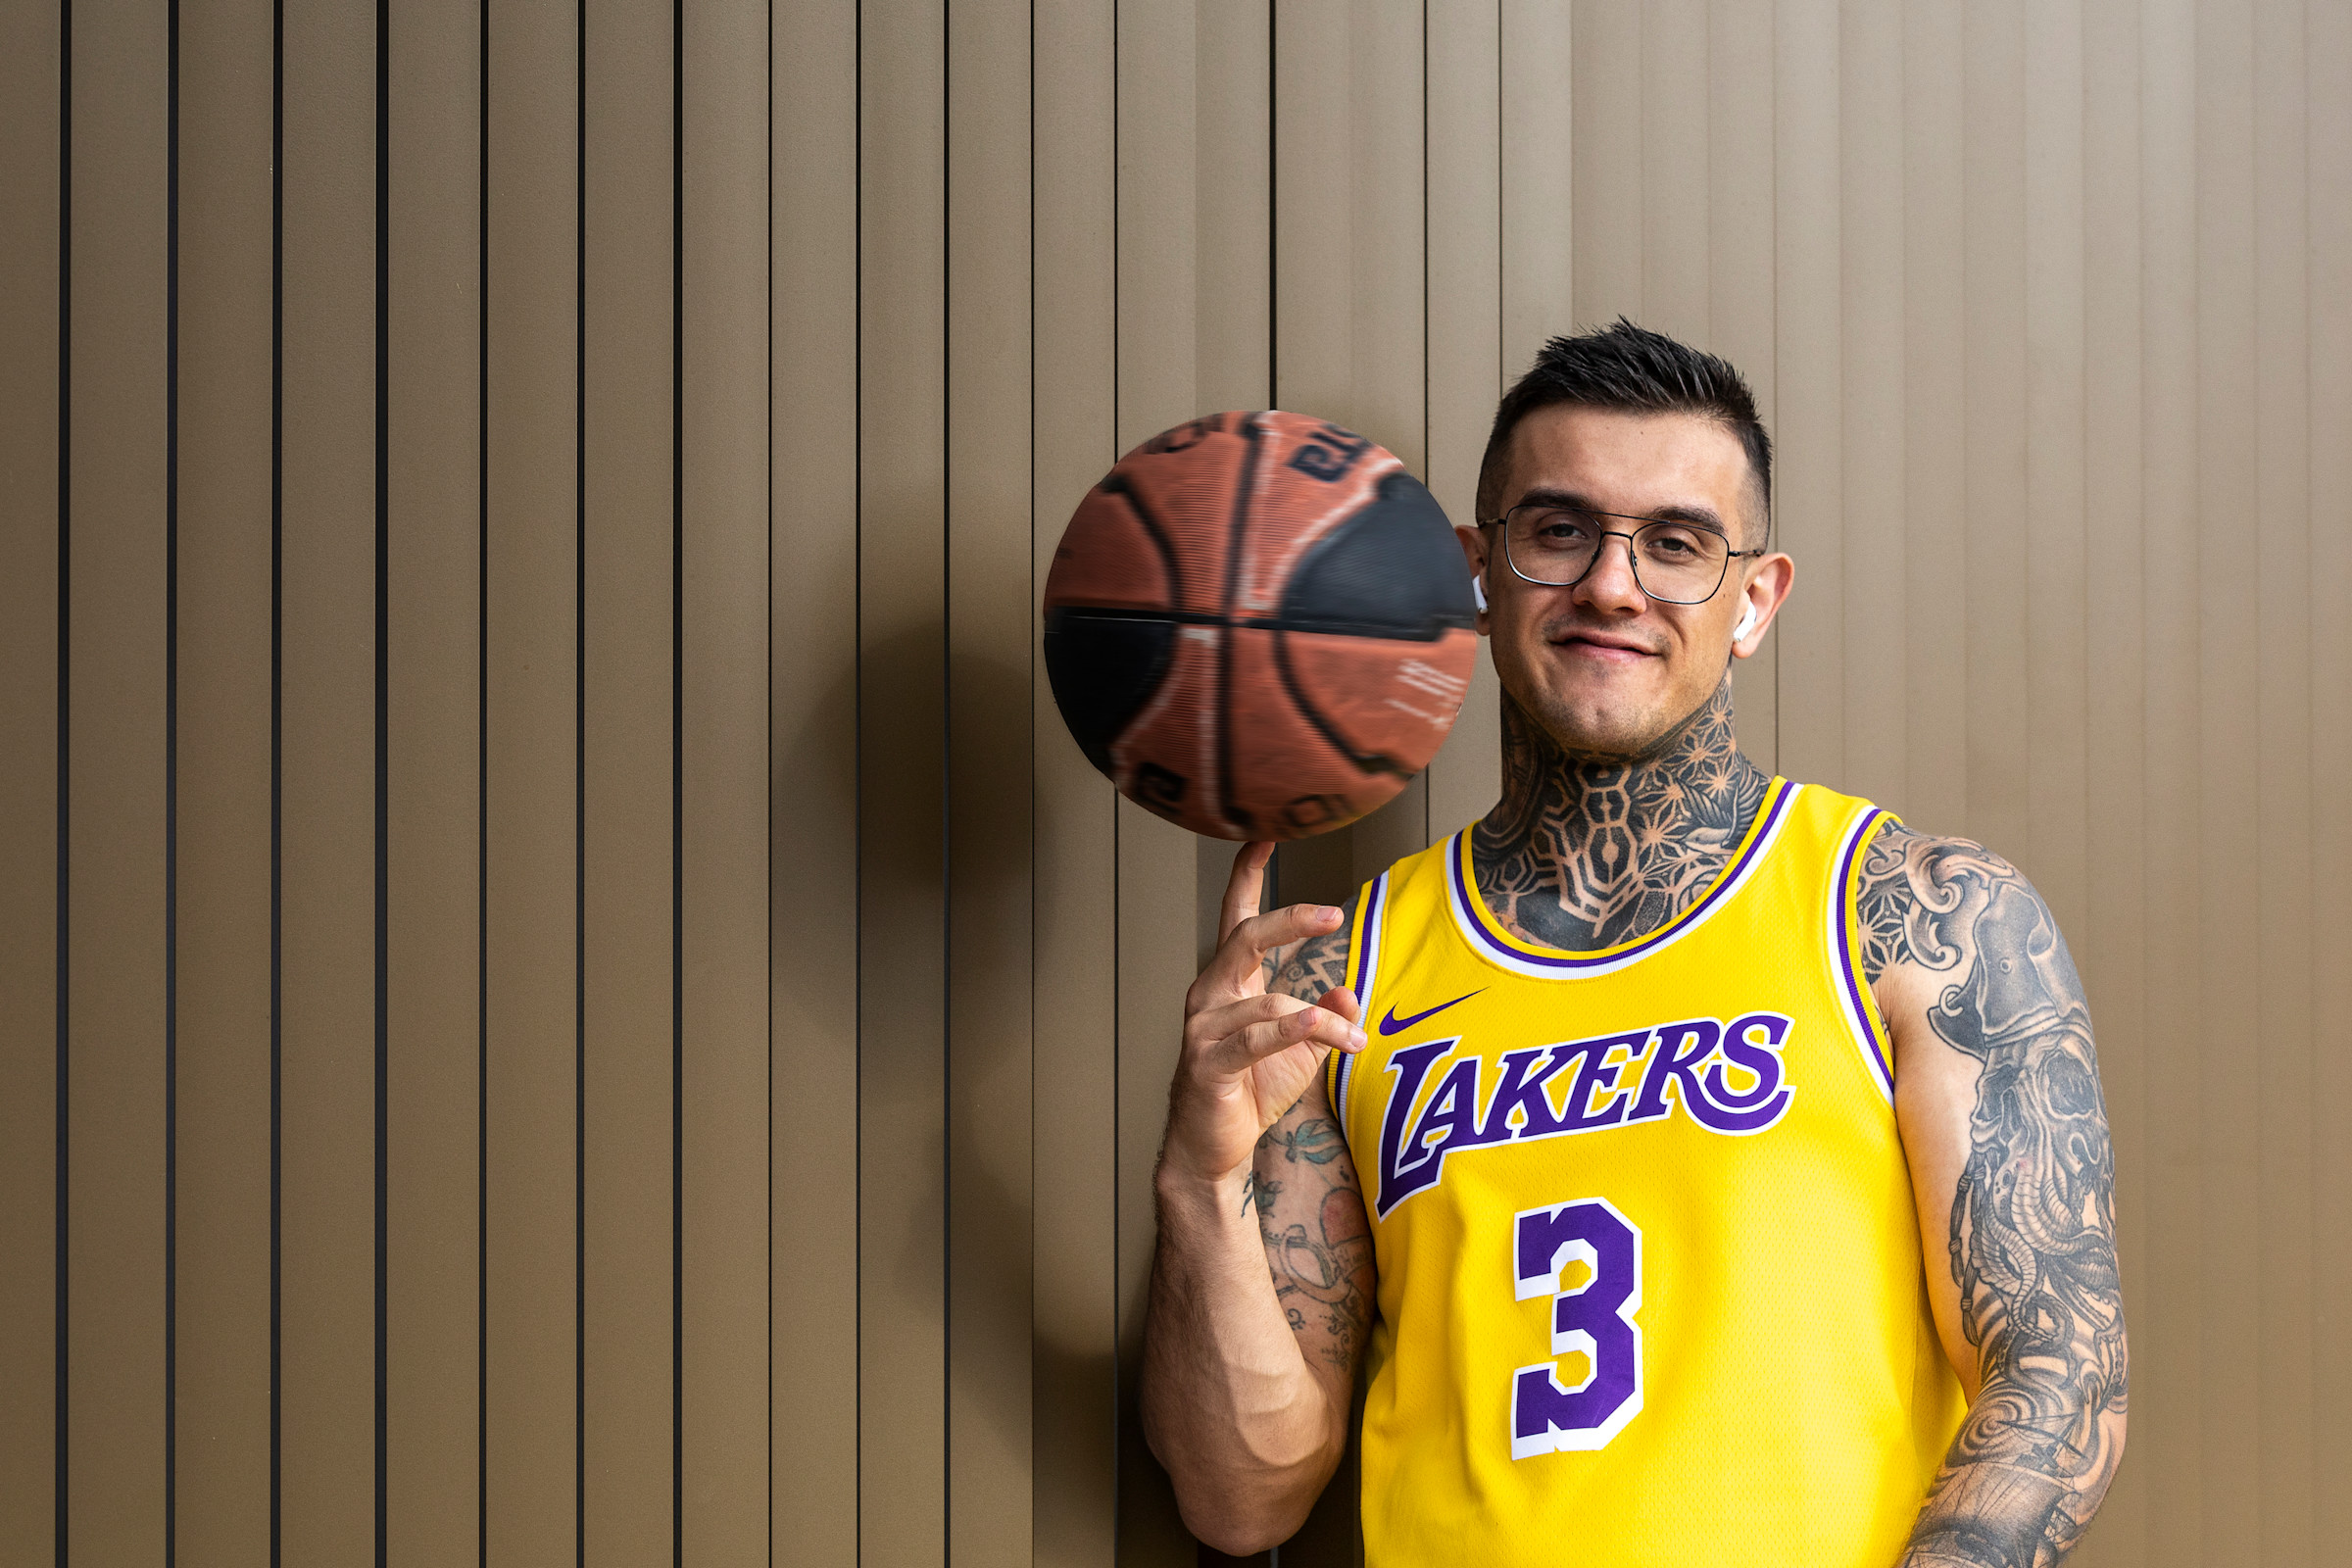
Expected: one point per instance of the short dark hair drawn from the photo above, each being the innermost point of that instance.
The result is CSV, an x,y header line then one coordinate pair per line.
x,y
1630,369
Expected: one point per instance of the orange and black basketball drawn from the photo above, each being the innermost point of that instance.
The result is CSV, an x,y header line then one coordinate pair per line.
x,y
1260,625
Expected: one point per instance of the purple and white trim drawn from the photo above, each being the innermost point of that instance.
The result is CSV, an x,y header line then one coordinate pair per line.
x,y
1489,940
1363,969
1861,1015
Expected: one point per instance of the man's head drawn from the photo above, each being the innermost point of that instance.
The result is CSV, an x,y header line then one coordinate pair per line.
x,y
1609,430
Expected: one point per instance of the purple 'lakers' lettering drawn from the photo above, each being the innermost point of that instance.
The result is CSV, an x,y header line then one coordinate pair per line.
x,y
1762,1104
1396,1179
1521,1089
1601,1073
1690,1063
1451,1119
1681,1047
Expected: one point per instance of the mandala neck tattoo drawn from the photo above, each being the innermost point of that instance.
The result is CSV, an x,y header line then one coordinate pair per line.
x,y
1588,851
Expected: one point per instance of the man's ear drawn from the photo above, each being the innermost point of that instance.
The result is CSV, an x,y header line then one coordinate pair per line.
x,y
1765,593
1474,550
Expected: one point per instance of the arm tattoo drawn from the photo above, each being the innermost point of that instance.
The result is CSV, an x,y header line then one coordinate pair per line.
x,y
1318,1243
2032,1231
1310,1209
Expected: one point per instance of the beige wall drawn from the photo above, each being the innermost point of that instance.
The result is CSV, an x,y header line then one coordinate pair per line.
x,y
561,986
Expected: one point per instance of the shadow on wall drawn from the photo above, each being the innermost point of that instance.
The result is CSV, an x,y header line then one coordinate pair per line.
x,y
933,1041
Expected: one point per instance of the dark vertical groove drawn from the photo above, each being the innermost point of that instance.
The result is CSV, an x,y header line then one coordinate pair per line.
x,y
171,797
677,783
768,242
277,765
579,791
857,804
65,757
482,798
383,774
947,789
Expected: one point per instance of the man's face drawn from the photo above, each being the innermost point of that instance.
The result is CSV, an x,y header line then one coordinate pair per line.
x,y
1601,666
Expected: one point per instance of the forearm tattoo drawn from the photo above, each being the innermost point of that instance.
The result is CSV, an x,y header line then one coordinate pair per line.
x,y
1310,1209
1318,1243
1583,852
2033,1231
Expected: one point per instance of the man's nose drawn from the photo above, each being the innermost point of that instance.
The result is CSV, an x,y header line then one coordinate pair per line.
x,y
1610,584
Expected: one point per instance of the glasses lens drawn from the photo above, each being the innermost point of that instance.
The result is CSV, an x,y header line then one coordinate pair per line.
x,y
1679,563
1549,543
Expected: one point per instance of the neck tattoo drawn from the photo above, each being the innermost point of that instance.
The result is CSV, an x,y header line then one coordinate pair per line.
x,y
1588,851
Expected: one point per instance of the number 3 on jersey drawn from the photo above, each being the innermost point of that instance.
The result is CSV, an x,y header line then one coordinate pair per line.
x,y
1594,1317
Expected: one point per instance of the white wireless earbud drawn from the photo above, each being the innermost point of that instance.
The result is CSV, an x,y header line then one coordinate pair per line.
x,y
1478,590
1747,623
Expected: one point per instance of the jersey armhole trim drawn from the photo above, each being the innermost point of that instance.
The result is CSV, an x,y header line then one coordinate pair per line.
x,y
1861,1008
1363,973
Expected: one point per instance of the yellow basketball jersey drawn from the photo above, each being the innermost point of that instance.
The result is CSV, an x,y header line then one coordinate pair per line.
x,y
1650,1288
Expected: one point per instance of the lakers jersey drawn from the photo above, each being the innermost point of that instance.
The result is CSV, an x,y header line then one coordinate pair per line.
x,y
1650,1277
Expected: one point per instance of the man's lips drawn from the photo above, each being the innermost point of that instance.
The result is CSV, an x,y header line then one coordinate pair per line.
x,y
1604,645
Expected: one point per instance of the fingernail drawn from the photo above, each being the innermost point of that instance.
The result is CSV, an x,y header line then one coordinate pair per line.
x,y
1355,1038
1308,1018
1327,912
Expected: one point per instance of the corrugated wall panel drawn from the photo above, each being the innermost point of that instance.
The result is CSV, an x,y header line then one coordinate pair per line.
x,y
2227,501
724,785
222,1448
628,1485
902,710
327,788
990,632
32,536
530,868
1074,934
812,844
775,1009
114,1028
433,995
2327,297
2165,1344
2280,1323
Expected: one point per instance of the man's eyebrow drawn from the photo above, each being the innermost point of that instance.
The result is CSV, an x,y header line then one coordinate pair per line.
x,y
1549,496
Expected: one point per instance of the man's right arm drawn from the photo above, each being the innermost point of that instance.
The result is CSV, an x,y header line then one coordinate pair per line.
x,y
1261,1283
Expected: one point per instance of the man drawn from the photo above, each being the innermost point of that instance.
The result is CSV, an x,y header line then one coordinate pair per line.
x,y
1724,1177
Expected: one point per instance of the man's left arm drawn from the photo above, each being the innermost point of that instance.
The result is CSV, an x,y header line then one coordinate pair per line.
x,y
1997,1098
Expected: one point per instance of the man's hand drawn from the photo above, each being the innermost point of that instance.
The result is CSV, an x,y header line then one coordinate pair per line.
x,y
1256,1319
1248,1054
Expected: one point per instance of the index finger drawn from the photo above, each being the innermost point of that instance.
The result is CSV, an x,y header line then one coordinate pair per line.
x,y
1245,888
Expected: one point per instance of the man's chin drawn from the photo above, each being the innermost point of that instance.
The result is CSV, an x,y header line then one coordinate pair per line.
x,y
1611,731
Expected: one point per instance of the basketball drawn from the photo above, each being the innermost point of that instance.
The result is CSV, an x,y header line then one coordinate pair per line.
x,y
1259,626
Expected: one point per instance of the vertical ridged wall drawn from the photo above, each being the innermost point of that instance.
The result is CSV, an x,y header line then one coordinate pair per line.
x,y
564,994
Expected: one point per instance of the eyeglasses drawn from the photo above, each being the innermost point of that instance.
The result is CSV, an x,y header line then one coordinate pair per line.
x,y
1675,562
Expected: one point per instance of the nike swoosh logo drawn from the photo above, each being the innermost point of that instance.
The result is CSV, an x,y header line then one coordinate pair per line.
x,y
1392,1023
